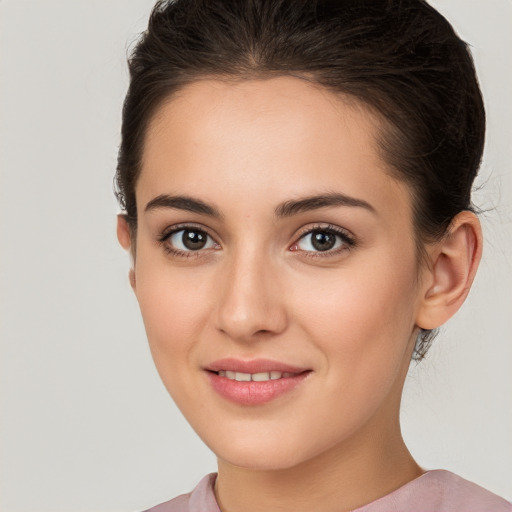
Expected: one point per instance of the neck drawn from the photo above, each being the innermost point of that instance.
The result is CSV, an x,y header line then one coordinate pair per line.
x,y
346,477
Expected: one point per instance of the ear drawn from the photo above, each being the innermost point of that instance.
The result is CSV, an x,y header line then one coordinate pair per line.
x,y
453,265
124,235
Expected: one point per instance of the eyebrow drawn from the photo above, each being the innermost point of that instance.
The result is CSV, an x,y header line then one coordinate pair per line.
x,y
293,207
186,203
286,209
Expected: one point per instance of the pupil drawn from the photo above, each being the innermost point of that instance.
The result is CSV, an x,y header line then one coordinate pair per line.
x,y
193,240
323,241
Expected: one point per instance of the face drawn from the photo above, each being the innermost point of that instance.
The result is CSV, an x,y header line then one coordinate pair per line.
x,y
275,269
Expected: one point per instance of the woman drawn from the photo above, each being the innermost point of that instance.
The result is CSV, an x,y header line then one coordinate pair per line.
x,y
296,180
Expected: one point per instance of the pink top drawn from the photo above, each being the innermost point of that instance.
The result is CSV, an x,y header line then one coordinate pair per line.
x,y
434,491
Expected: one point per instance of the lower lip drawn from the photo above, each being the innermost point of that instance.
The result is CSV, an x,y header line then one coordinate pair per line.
x,y
253,392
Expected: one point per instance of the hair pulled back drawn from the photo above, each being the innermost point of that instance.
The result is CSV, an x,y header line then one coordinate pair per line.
x,y
399,57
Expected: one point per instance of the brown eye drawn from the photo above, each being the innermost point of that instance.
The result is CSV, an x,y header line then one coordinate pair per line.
x,y
191,240
324,240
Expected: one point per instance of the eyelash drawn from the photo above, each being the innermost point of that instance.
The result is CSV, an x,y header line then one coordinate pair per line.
x,y
168,233
347,239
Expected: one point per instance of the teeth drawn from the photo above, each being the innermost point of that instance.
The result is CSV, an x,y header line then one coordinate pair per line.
x,y
256,377
259,377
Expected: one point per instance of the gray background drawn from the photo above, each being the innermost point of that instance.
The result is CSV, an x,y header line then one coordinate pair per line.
x,y
85,424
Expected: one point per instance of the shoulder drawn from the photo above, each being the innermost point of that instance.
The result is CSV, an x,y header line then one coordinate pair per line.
x,y
457,493
178,504
440,491
201,499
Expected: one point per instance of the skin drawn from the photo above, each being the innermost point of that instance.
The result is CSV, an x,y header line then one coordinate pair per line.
x,y
260,289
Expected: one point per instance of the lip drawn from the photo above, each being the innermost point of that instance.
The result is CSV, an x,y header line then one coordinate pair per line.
x,y
253,366
253,392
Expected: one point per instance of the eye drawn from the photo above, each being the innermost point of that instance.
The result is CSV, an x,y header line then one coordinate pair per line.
x,y
190,239
328,240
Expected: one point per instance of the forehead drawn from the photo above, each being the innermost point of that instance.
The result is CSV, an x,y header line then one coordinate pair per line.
x,y
251,112
269,139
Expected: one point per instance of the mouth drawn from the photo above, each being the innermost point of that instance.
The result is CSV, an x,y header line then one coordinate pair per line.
x,y
254,377
254,382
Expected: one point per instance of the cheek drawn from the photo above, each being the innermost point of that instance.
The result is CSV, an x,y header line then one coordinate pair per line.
x,y
361,323
353,304
362,319
174,305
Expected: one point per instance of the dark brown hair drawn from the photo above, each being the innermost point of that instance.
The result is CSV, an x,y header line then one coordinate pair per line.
x,y
399,57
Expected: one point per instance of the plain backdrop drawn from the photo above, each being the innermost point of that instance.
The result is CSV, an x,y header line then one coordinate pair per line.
x,y
85,424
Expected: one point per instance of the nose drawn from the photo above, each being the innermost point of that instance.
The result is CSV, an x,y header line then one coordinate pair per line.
x,y
250,299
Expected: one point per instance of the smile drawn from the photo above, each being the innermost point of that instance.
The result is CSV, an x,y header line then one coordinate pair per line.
x,y
255,382
256,377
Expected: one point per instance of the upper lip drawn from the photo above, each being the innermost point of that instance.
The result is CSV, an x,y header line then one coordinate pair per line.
x,y
252,366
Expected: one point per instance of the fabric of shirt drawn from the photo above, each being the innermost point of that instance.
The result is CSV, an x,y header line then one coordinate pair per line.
x,y
437,490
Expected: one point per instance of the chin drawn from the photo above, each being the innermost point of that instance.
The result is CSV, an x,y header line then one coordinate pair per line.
x,y
260,461
260,454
